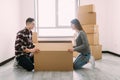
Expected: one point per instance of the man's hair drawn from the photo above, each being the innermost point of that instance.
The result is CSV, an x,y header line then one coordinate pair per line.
x,y
29,20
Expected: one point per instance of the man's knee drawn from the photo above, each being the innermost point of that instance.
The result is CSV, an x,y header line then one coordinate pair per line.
x,y
30,68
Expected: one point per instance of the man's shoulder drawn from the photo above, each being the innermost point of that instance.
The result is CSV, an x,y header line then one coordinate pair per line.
x,y
21,32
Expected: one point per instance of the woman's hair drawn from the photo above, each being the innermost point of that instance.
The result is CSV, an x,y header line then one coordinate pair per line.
x,y
77,24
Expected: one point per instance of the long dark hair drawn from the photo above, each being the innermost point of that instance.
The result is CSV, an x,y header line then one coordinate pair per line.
x,y
77,24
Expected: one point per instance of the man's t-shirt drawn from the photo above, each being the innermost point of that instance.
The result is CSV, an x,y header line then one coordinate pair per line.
x,y
23,41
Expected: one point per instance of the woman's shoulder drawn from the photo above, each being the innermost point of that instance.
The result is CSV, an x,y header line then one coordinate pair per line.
x,y
82,32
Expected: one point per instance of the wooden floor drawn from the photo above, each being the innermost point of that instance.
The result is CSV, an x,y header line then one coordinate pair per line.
x,y
106,69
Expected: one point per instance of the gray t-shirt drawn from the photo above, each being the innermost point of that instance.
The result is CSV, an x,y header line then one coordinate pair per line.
x,y
82,44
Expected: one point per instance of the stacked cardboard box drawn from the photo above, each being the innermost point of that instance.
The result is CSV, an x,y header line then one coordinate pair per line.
x,y
87,17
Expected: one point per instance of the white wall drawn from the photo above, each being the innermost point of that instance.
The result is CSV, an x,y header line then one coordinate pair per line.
x,y
13,14
27,10
108,19
114,23
9,24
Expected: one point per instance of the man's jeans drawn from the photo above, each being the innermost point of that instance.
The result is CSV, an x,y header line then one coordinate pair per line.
x,y
26,62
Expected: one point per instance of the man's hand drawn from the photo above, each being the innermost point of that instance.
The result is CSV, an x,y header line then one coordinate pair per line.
x,y
37,50
32,50
70,50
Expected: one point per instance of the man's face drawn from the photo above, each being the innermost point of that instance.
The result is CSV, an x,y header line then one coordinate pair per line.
x,y
32,25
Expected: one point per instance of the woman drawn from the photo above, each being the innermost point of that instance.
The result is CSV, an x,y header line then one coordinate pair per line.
x,y
82,45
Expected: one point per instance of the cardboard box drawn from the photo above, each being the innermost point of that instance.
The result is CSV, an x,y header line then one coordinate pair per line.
x,y
86,8
90,29
34,37
93,39
75,54
87,18
96,51
53,56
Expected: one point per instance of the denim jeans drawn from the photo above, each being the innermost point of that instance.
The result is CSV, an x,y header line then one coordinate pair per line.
x,y
81,60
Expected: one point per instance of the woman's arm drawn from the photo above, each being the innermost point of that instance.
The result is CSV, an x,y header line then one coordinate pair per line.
x,y
84,44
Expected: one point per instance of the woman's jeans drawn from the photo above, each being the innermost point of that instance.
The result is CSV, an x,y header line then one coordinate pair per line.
x,y
81,60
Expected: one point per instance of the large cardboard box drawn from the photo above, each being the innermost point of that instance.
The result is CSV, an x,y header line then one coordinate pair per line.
x,y
75,54
90,29
96,51
34,37
86,8
93,39
53,56
87,18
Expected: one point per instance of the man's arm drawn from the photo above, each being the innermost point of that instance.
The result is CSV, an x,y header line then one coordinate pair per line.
x,y
19,43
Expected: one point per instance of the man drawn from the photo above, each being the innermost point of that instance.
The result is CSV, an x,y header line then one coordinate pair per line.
x,y
24,47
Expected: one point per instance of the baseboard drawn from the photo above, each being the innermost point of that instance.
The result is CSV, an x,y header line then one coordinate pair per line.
x,y
111,53
6,61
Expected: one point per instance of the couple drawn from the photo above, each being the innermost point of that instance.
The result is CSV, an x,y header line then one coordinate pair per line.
x,y
24,47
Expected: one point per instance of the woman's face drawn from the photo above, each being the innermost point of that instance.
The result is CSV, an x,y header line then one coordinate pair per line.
x,y
73,27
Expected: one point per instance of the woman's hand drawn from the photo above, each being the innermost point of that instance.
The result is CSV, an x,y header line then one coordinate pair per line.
x,y
70,50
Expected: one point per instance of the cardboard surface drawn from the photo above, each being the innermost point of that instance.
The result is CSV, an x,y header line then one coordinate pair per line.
x,y
53,57
93,39
86,8
75,54
96,51
34,37
87,18
90,29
